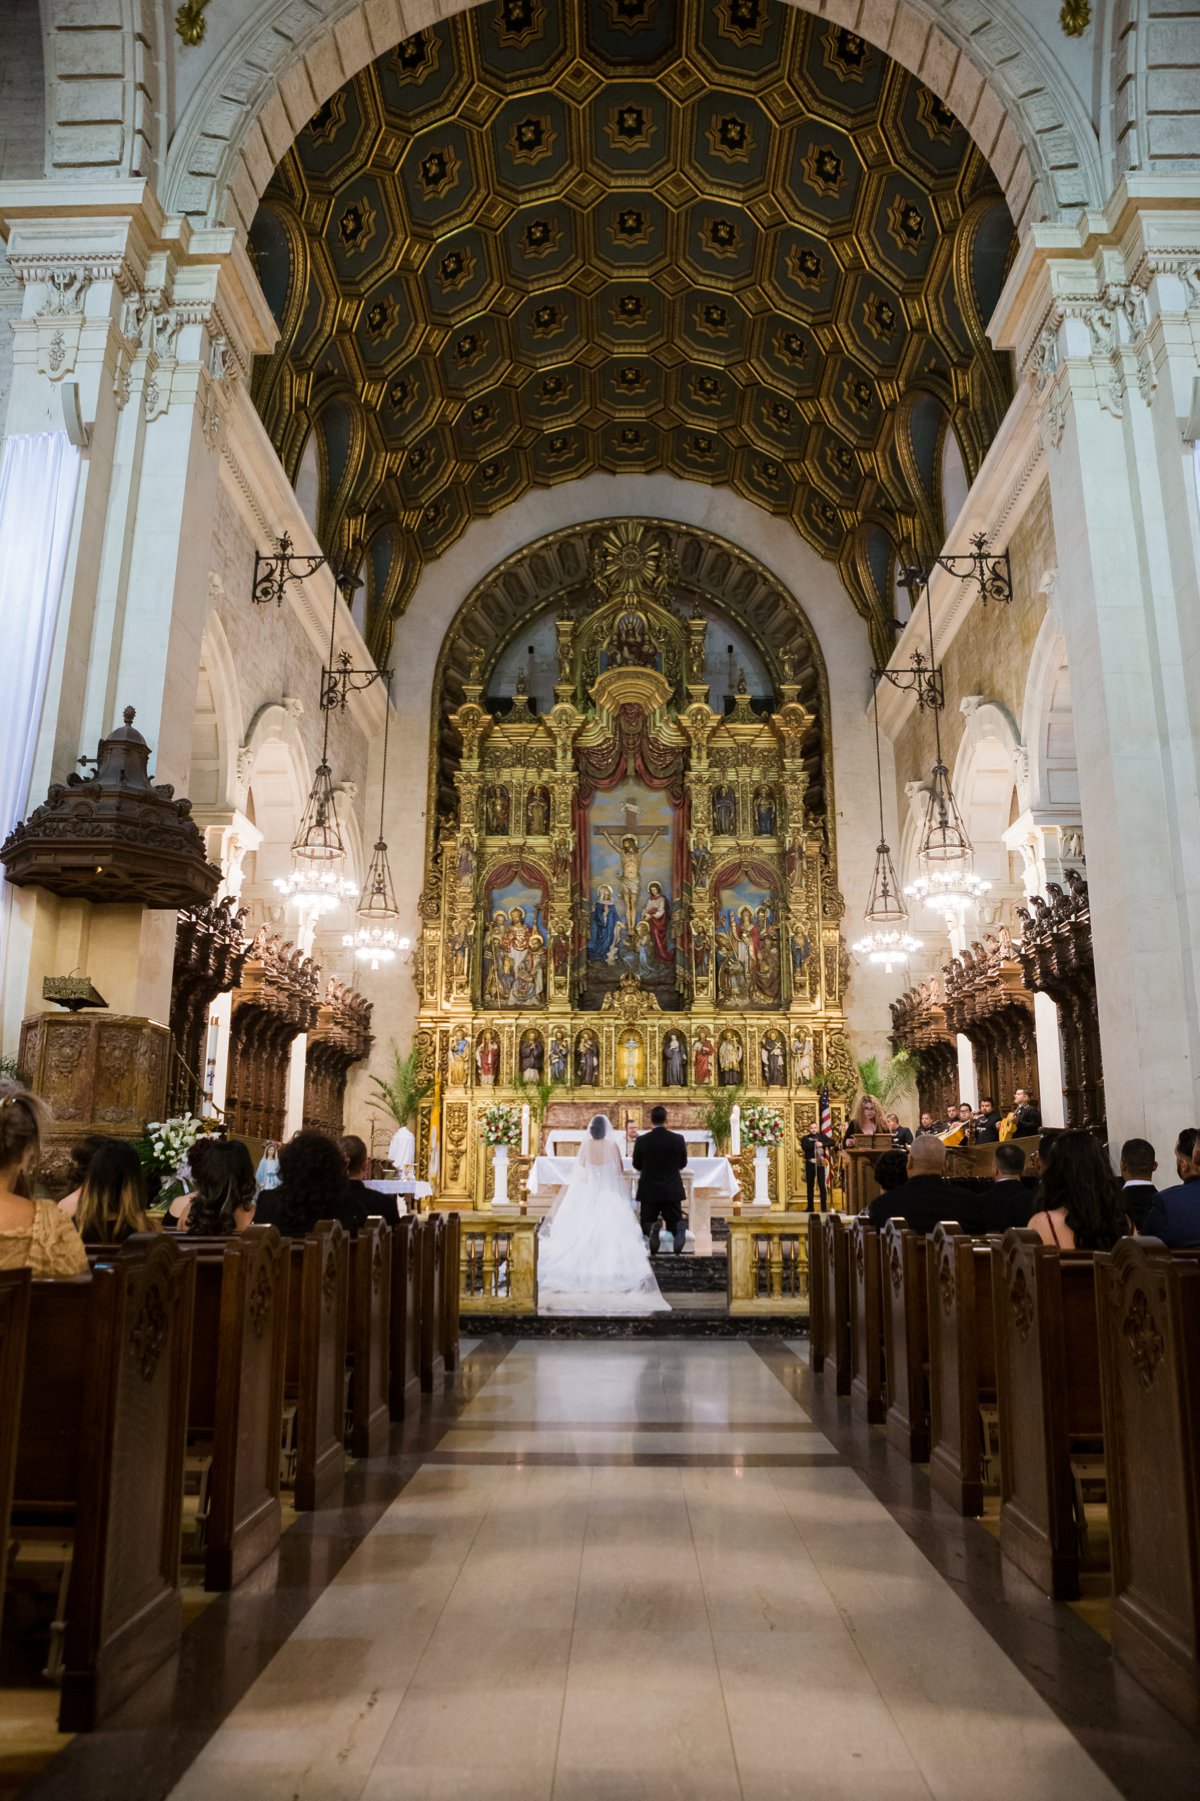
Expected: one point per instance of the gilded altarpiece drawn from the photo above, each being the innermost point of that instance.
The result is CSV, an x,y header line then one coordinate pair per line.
x,y
632,900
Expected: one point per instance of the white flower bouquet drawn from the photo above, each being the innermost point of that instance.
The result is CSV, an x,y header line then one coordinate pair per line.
x,y
500,1124
762,1126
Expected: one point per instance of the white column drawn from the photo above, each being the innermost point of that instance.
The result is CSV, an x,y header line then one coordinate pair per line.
x,y
1049,1061
293,1117
1105,319
968,1081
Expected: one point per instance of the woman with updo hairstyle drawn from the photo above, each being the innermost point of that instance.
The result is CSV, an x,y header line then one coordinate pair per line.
x,y
33,1234
112,1206
225,1191
313,1186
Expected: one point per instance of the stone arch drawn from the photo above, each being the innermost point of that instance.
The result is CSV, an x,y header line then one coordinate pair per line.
x,y
1048,723
999,78
217,725
274,777
984,778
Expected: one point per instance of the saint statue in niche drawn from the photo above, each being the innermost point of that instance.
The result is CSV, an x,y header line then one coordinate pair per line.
x,y
774,1061
496,811
456,1068
801,949
764,813
606,928
487,1059
674,1061
560,1052
703,1058
531,1057
537,813
587,1061
632,642
802,1057
729,1060
724,807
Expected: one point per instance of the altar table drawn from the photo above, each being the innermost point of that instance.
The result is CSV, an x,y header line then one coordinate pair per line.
x,y
397,1185
707,1180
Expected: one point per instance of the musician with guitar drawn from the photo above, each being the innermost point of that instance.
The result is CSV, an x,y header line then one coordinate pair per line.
x,y
1025,1119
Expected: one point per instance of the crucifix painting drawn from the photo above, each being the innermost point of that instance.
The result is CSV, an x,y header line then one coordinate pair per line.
x,y
631,857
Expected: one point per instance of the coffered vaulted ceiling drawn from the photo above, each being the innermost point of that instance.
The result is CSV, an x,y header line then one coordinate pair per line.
x,y
719,237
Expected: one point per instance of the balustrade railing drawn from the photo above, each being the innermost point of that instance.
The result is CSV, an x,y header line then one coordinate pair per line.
x,y
768,1264
498,1265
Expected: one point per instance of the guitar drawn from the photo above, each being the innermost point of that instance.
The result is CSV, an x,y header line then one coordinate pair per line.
x,y
1008,1126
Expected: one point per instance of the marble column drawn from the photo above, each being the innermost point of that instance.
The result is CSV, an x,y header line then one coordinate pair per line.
x,y
134,329
1105,319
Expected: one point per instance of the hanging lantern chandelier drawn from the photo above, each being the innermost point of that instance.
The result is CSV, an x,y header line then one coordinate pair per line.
x,y
374,939
887,941
317,882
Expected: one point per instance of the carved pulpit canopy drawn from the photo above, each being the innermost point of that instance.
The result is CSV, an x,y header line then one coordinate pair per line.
x,y
114,835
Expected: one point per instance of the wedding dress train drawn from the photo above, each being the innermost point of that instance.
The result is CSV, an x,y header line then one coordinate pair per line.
x,y
592,1257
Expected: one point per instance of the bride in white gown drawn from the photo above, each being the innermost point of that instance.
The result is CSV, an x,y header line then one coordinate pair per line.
x,y
592,1257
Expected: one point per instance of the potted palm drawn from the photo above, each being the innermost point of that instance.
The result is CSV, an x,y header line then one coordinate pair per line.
x,y
400,1093
718,1117
882,1083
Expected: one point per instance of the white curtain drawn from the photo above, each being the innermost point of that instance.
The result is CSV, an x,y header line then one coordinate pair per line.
x,y
39,473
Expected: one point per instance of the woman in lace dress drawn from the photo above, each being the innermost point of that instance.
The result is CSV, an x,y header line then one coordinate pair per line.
x,y
33,1234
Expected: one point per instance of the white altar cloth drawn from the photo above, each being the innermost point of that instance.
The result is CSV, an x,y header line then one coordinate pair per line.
x,y
711,1175
566,1140
419,1191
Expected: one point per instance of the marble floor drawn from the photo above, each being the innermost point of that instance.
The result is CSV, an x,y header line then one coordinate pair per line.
x,y
636,1571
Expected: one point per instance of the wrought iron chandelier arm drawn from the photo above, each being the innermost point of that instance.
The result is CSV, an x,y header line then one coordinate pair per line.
x,y
276,570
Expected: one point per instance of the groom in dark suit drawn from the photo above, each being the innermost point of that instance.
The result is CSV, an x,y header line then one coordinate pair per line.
x,y
658,1157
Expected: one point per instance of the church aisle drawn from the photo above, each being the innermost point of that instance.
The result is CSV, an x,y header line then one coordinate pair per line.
x,y
637,1570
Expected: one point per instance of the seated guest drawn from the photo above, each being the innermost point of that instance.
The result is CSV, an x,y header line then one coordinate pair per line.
x,y
1040,1161
81,1158
987,1123
1008,1201
312,1187
891,1169
1185,1144
1082,1206
1137,1173
1174,1215
178,1209
113,1203
34,1235
224,1201
386,1206
926,1197
901,1135
926,1127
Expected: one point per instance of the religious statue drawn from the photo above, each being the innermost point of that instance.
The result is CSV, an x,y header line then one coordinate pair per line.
x,y
703,1058
496,811
487,1059
658,917
466,860
629,1061
701,953
606,927
537,813
630,848
724,808
801,948
764,813
729,1060
802,1057
456,1070
560,1052
531,1057
587,1061
674,1061
774,1063
632,644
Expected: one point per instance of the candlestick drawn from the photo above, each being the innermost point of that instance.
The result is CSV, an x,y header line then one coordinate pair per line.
x,y
525,1128
735,1131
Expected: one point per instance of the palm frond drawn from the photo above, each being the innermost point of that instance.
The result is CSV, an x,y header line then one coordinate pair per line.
x,y
402,1092
718,1115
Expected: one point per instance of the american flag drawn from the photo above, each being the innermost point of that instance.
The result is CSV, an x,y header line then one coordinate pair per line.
x,y
826,1114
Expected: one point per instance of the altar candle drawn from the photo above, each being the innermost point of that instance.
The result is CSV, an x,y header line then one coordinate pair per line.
x,y
524,1128
735,1131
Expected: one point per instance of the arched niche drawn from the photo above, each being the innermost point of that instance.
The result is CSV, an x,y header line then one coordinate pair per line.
x,y
216,725
1048,722
984,781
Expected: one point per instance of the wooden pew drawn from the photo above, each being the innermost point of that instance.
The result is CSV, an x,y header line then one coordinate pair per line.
x,y
315,1377
370,1338
14,1331
100,1460
816,1292
868,1391
239,1342
835,1303
962,1362
1048,1384
1148,1321
451,1291
906,1339
404,1382
431,1240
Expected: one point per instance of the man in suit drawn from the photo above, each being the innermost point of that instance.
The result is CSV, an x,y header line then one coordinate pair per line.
x,y
384,1205
815,1147
987,1125
1029,1115
1008,1202
658,1157
1137,1176
927,1197
1174,1215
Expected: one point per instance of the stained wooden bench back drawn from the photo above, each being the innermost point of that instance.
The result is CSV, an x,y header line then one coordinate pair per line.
x,y
451,1289
370,1256
868,1391
404,1385
906,1339
962,1361
430,1305
14,1332
318,1305
816,1292
1148,1320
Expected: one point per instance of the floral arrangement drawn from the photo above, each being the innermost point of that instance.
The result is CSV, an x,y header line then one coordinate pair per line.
x,y
163,1152
500,1124
762,1126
